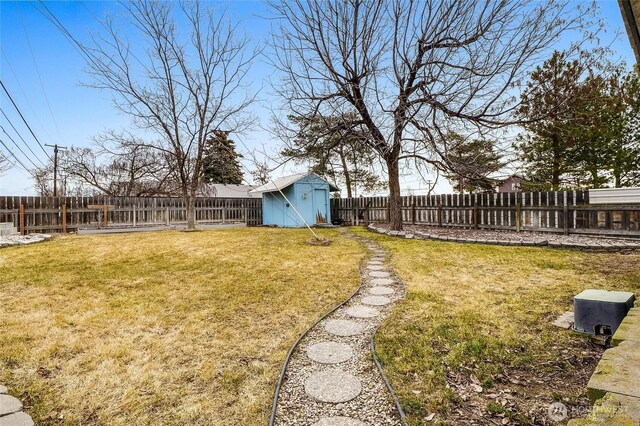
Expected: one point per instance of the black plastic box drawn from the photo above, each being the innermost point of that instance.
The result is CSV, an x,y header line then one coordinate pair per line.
x,y
600,311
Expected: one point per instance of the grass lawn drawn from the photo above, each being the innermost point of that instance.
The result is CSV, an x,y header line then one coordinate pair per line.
x,y
472,341
168,328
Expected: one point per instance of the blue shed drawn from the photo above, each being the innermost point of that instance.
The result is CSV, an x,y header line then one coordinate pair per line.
x,y
307,192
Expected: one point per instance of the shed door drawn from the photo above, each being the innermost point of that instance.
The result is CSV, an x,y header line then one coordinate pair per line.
x,y
320,205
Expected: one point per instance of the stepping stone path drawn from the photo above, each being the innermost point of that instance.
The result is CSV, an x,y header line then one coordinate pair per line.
x,y
329,352
360,311
339,421
375,267
11,413
343,328
380,290
376,300
382,281
379,274
331,379
332,386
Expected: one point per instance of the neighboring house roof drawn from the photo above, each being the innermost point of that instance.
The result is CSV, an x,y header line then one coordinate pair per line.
x,y
222,190
513,177
285,181
631,16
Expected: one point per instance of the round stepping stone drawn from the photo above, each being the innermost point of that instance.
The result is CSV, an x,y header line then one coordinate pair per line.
x,y
3,389
376,300
9,404
359,311
380,290
338,421
382,281
379,274
329,352
343,328
16,419
375,267
332,386
374,262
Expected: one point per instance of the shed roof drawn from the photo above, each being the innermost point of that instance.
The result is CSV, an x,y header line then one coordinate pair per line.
x,y
286,181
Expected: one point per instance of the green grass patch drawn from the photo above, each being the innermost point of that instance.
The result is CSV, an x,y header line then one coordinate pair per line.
x,y
169,328
484,311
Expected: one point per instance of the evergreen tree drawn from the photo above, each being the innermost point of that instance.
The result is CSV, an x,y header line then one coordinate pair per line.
x,y
582,125
471,162
337,149
549,106
220,161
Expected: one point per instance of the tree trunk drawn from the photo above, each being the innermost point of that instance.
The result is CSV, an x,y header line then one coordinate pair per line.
x,y
191,211
345,172
617,180
395,201
555,166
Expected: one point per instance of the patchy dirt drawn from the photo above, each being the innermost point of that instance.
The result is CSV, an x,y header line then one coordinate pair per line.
x,y
523,396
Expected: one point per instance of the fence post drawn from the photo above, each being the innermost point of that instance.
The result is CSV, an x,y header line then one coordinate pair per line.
x,y
518,215
168,217
439,212
413,211
104,214
475,215
134,215
388,210
357,212
21,219
64,218
224,211
565,210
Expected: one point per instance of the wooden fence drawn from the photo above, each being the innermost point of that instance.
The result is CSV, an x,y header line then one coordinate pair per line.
x,y
66,214
559,211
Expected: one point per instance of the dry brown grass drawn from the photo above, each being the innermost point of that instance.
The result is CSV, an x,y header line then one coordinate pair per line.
x,y
482,312
166,328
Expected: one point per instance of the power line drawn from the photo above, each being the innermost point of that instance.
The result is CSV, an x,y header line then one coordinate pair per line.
x,y
16,158
20,136
24,120
20,149
24,95
35,64
56,22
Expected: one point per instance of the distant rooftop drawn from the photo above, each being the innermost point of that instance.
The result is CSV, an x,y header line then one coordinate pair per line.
x,y
223,190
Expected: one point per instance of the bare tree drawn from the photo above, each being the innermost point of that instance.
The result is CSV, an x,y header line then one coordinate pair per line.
x,y
5,163
414,70
121,165
182,88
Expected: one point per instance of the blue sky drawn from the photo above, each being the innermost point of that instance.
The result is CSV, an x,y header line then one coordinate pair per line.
x,y
43,73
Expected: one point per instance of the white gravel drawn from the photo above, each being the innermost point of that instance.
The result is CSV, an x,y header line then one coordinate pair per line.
x,y
505,237
17,240
373,405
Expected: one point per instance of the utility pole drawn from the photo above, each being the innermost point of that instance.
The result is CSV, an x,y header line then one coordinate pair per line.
x,y
55,167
